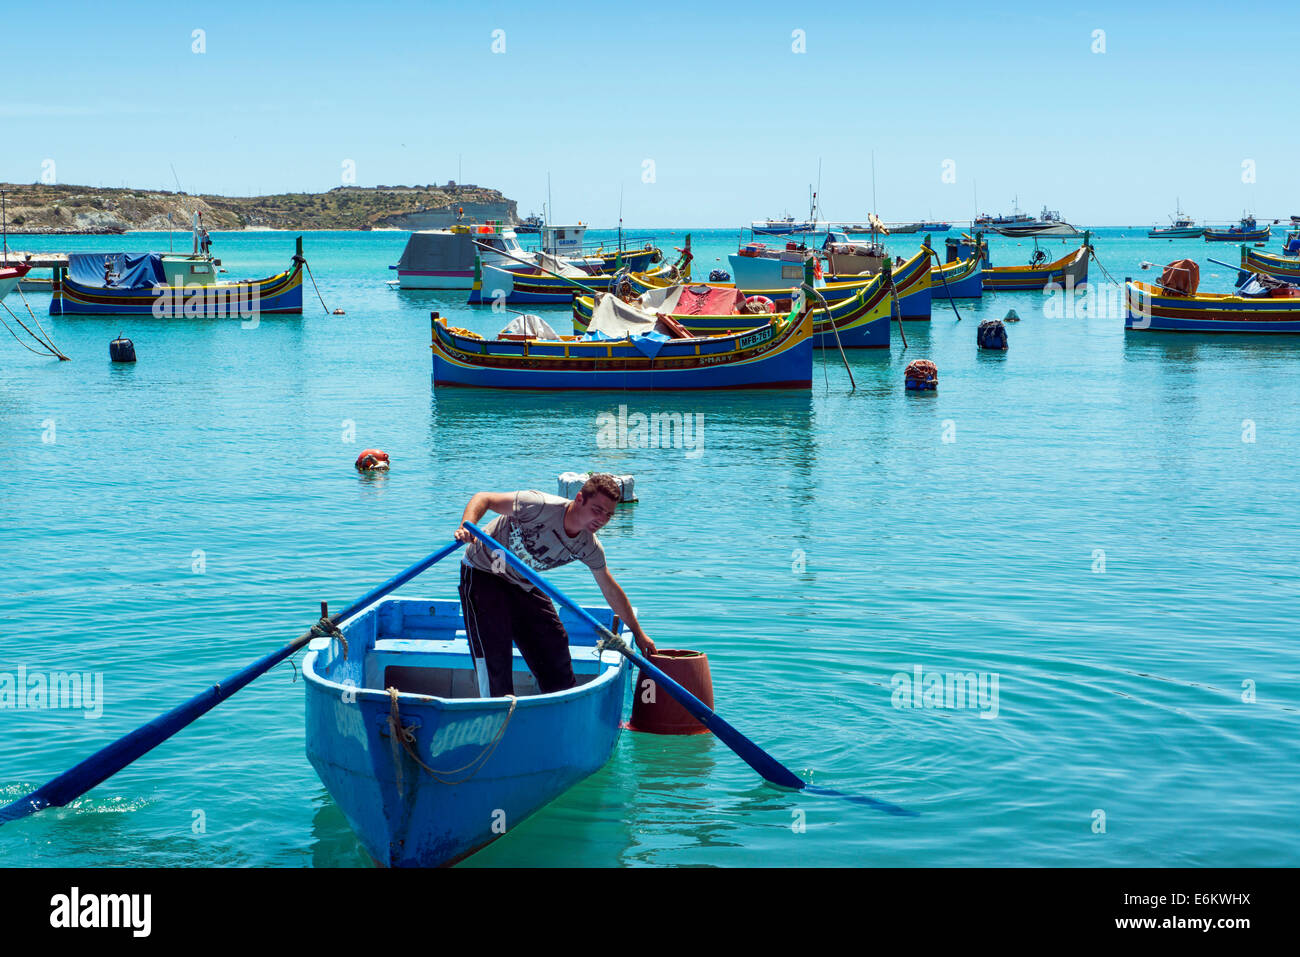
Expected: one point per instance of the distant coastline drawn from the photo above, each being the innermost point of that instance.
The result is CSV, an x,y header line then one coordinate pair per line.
x,y
48,209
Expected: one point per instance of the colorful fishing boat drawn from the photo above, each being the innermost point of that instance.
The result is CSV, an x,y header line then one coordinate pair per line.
x,y
552,283
425,769
856,314
1174,305
1248,230
1070,271
913,285
1266,264
962,276
629,350
170,286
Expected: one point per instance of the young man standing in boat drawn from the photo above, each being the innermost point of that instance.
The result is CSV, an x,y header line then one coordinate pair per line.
x,y
501,608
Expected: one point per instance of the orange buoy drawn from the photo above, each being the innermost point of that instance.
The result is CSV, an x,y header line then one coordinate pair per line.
x,y
656,711
371,459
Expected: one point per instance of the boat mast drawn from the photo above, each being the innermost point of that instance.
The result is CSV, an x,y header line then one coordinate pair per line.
x,y
4,225
874,212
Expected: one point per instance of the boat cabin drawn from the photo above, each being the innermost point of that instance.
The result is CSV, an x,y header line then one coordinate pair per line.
x,y
563,240
444,258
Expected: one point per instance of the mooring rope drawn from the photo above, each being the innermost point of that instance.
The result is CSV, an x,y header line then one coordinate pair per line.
x,y
317,288
402,733
47,340
49,347
327,629
831,319
945,281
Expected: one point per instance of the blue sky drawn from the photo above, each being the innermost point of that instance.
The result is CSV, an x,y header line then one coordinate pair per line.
x,y
732,118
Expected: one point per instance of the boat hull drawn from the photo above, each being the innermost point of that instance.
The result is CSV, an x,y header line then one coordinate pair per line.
x,y
1235,235
1280,267
275,295
1176,232
11,276
1068,271
960,279
1149,310
406,817
913,286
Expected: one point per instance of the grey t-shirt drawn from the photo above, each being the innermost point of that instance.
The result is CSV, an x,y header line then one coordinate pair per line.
x,y
534,531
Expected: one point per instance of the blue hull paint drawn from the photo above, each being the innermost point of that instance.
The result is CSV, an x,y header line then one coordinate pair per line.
x,y
870,335
402,815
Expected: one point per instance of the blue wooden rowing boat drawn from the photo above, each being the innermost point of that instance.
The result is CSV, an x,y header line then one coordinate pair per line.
x,y
462,770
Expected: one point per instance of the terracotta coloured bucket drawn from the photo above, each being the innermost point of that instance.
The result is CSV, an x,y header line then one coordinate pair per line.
x,y
656,711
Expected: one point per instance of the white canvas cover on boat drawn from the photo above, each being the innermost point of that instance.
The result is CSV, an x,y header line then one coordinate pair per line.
x,y
558,264
614,317
571,484
530,325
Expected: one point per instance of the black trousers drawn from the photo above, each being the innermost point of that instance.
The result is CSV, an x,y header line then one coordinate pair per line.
x,y
499,613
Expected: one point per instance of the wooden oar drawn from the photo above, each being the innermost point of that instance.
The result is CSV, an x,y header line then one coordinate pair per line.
x,y
767,766
109,760
586,289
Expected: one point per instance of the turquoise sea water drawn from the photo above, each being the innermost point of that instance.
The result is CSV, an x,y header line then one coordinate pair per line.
x,y
1105,522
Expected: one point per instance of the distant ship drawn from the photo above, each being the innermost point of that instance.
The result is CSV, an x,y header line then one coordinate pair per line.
x,y
1048,223
531,224
1182,228
781,227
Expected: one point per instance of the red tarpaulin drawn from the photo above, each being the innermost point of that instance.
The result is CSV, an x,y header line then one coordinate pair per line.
x,y
1182,276
708,301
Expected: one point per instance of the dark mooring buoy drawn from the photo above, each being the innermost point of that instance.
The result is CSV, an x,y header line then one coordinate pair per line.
x,y
992,334
121,350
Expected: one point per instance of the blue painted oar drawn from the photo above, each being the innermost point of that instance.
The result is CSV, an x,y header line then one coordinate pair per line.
x,y
771,769
106,762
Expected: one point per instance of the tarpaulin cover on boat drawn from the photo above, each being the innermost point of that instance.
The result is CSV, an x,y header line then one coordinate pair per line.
x,y
1182,276
617,318
438,251
530,325
127,271
706,301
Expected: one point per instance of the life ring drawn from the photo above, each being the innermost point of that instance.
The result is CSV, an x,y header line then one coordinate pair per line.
x,y
767,304
817,268
371,460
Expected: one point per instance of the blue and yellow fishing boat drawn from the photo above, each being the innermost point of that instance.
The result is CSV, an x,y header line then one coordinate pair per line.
x,y
1156,307
425,769
913,284
1247,231
777,355
1071,270
962,276
859,320
1267,264
169,286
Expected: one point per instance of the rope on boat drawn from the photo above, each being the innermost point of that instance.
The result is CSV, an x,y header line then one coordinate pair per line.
x,y
403,734
945,288
831,319
1109,277
47,348
327,629
336,312
47,340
